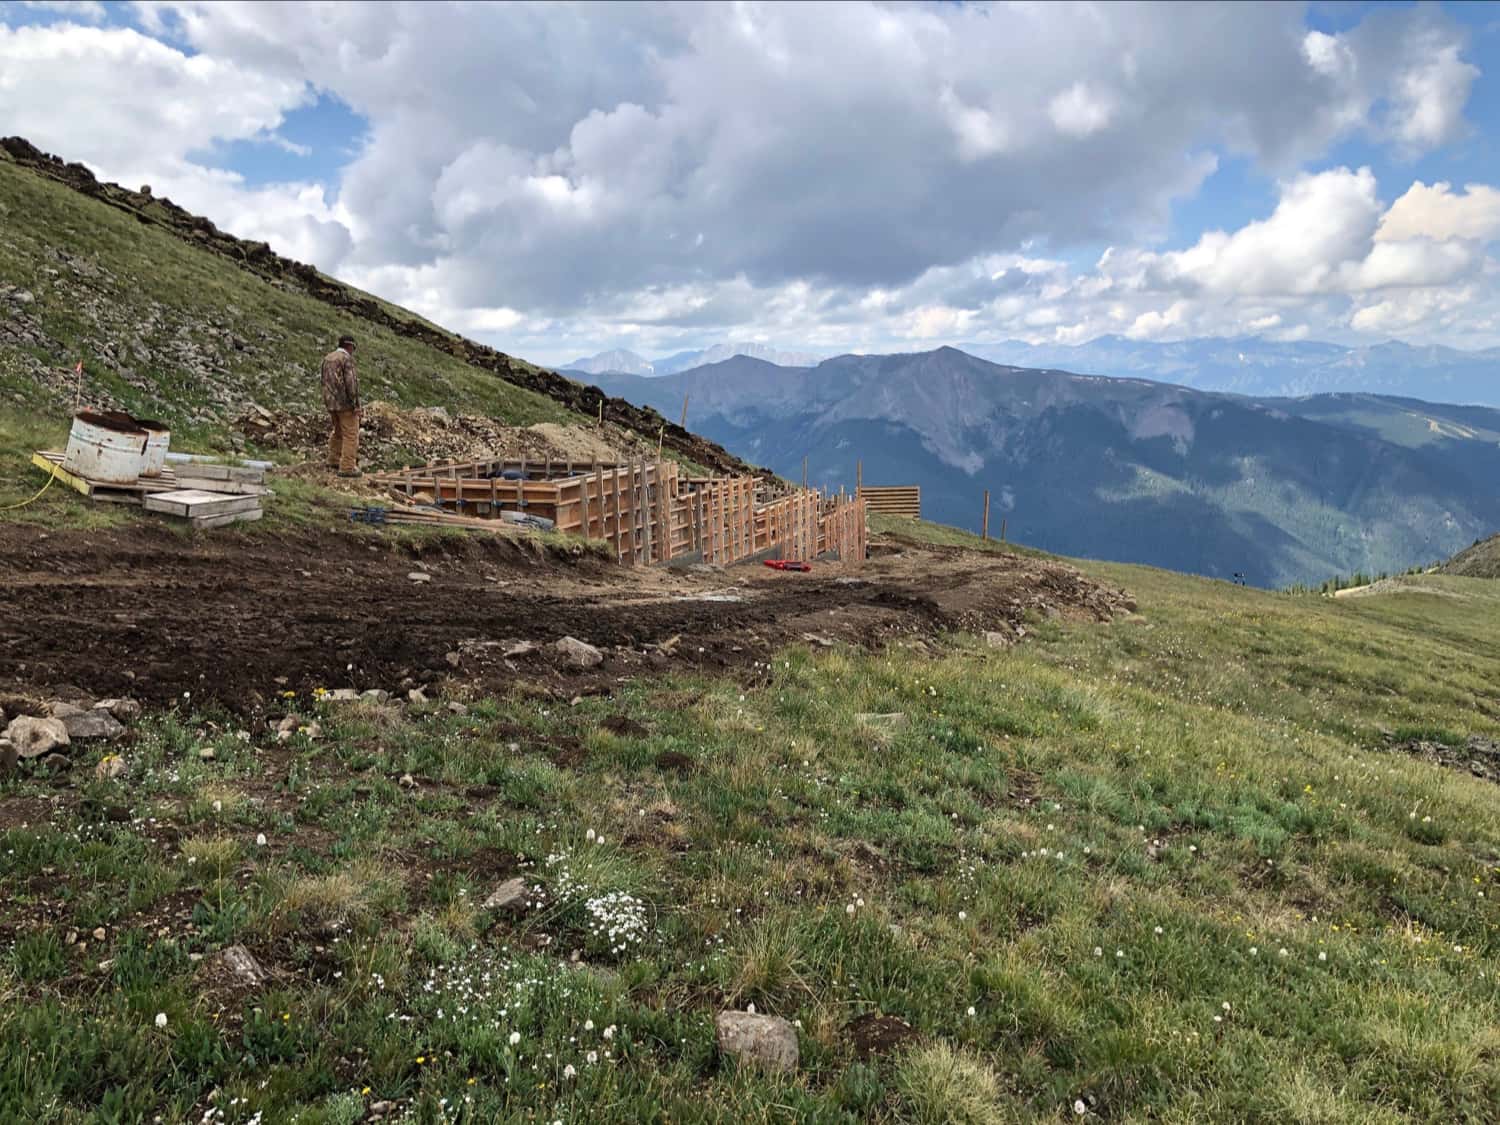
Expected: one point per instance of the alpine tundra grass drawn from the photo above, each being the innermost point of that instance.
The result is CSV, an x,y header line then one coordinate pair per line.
x,y
1178,868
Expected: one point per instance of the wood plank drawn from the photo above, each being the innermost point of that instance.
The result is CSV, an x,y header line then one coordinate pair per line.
x,y
205,523
192,503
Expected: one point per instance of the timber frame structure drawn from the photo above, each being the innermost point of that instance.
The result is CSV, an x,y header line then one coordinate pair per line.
x,y
646,511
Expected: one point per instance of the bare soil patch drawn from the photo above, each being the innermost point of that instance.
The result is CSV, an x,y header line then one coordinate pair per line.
x,y
240,618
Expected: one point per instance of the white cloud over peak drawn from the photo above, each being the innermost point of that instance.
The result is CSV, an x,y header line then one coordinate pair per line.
x,y
558,175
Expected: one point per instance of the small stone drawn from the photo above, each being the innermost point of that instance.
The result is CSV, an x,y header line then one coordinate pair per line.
x,y
82,725
509,896
110,767
125,710
520,648
288,725
420,576
100,933
312,730
32,737
243,966
580,654
453,659
407,781
997,639
458,708
375,695
343,695
206,754
57,762
766,1041
416,695
819,639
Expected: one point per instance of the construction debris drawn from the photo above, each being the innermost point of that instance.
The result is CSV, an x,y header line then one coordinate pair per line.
x,y
204,510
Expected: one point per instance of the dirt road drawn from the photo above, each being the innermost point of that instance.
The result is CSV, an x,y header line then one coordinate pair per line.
x,y
238,618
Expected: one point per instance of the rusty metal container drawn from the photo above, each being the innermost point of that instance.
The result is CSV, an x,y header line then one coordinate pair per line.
x,y
109,448
158,437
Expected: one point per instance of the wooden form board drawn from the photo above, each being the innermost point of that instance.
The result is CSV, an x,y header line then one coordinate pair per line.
x,y
894,500
646,511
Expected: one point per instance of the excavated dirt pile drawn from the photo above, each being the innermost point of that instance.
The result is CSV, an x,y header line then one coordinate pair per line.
x,y
391,436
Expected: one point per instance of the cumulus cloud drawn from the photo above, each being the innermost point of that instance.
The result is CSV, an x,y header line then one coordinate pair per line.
x,y
844,173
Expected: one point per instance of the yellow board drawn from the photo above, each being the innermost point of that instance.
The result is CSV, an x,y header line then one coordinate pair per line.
x,y
78,484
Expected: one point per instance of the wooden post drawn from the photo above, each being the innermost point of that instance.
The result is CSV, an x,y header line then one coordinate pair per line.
x,y
660,437
683,423
859,477
804,474
986,533
1002,529
601,413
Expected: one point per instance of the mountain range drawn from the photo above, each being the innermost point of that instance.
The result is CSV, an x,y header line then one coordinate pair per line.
x,y
1279,490
621,361
1249,365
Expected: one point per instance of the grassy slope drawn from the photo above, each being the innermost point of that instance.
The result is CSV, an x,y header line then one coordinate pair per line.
x,y
1313,939
169,312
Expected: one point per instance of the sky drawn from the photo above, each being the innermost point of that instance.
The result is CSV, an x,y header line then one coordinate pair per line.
x,y
557,179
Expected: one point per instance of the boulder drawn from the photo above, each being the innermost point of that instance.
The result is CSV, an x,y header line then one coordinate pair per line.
x,y
82,725
375,695
62,709
509,896
579,654
765,1041
32,737
125,710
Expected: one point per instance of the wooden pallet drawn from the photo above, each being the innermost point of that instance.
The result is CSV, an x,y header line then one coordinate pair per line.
x,y
103,492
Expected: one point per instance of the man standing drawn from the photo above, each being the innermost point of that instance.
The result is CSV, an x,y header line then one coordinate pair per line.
x,y
341,397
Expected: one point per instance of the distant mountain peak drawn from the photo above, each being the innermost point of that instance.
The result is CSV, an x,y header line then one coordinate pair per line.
x,y
616,360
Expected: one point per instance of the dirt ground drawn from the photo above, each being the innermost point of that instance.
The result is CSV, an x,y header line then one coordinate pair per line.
x,y
238,618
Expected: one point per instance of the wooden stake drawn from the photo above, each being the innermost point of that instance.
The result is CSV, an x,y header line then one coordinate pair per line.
x,y
1002,529
804,474
601,413
986,532
683,423
660,437
859,477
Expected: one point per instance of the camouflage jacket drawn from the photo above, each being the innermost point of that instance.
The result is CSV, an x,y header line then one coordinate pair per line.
x,y
340,381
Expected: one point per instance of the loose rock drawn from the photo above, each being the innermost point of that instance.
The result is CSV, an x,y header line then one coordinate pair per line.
x,y
82,725
580,654
109,767
521,648
343,695
243,966
766,1041
420,576
32,737
125,710
509,896
375,695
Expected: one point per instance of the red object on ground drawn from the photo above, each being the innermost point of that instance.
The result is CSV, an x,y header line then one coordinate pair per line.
x,y
788,564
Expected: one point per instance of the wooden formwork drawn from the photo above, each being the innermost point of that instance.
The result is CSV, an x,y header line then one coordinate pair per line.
x,y
646,510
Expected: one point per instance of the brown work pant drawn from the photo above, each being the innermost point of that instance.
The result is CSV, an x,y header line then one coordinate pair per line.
x,y
343,442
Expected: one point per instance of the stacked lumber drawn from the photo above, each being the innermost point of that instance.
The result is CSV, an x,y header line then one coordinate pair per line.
x,y
234,480
202,509
894,500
